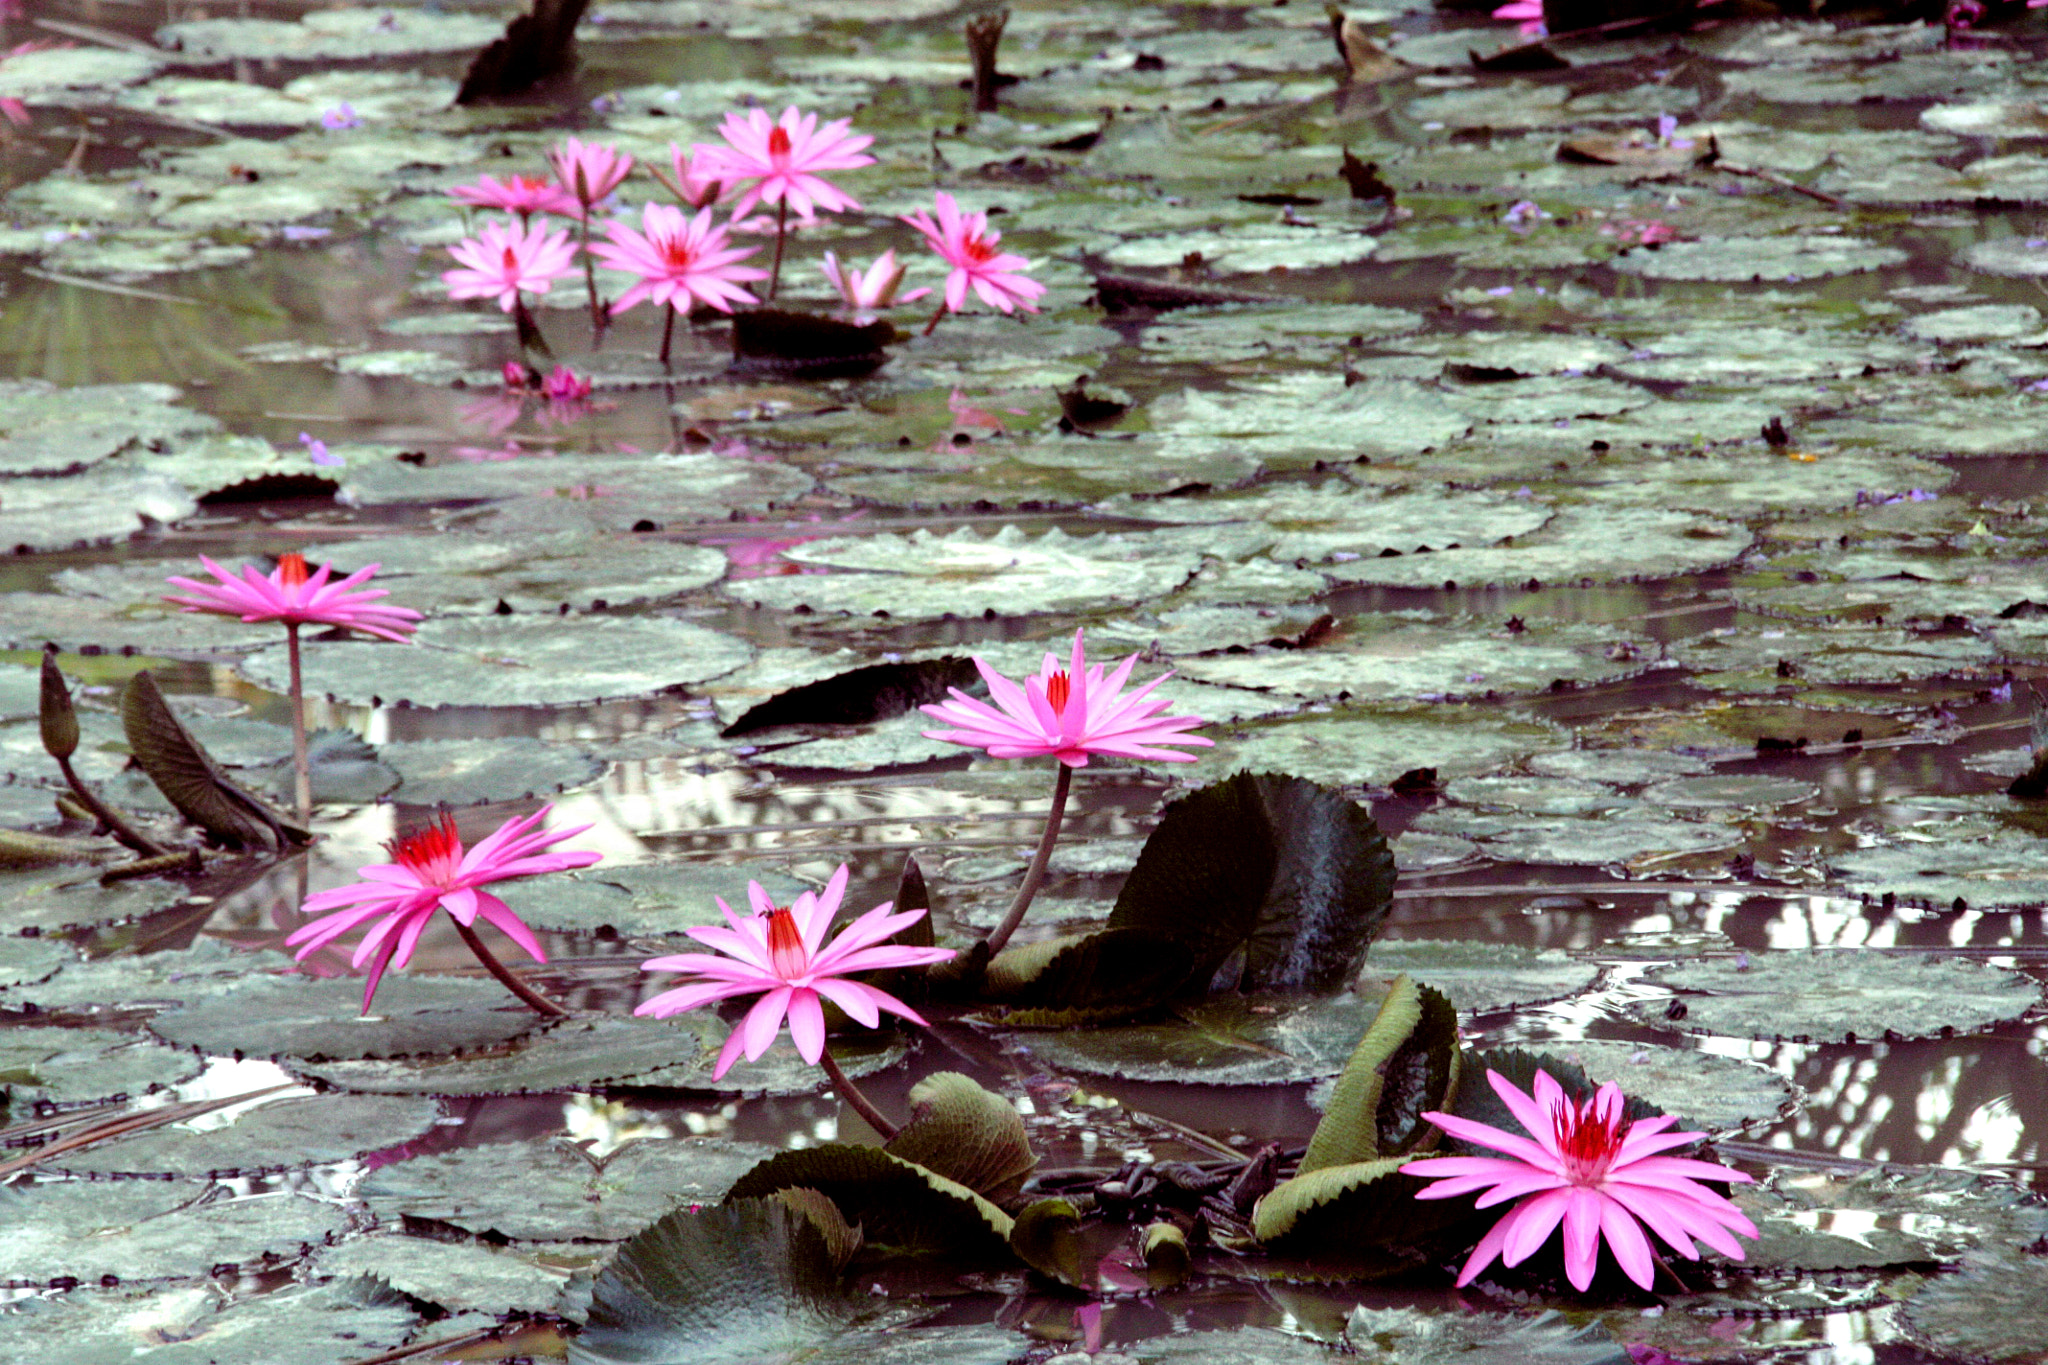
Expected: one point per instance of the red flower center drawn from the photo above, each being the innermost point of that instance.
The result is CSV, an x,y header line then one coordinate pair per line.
x,y
1057,689
786,944
291,570
778,142
977,249
511,261
676,253
1588,1140
432,853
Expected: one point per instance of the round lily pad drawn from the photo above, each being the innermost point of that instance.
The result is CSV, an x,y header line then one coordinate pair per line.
x,y
512,661
1718,1094
474,573
460,1276
1991,1310
73,1065
1748,791
1537,795
462,772
149,1230
299,1016
27,960
578,1054
1815,996
642,898
1961,867
549,1190
1787,258
1622,767
1638,834
1374,747
282,1135
191,1325
130,983
1225,1042
1580,544
52,900
1478,977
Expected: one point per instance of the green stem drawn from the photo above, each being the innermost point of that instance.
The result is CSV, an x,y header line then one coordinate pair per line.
x,y
302,768
507,976
122,831
1034,876
849,1093
590,278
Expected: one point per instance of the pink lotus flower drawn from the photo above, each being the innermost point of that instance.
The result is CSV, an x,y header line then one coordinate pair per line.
x,y
524,195
783,159
696,181
589,171
679,260
564,385
1592,1169
1526,15
431,872
506,258
289,594
781,952
872,289
968,245
1069,712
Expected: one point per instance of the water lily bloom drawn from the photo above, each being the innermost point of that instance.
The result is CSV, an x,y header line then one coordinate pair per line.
x,y
780,953
505,258
292,595
783,159
564,385
317,451
589,170
1586,1165
680,261
1068,712
873,288
524,195
966,243
696,180
1526,15
430,871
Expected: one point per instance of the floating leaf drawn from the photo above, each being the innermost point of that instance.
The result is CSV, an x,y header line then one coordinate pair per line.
x,y
899,1206
193,1325
74,1065
282,1135
298,1016
1822,996
966,1134
1109,974
149,1229
1715,1093
1477,977
1417,1337
578,1054
1228,1040
460,1276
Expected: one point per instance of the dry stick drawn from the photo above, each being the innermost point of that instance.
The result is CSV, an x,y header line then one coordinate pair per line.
x,y
1035,874
135,1123
421,1348
1771,177
505,974
302,771
188,861
850,1094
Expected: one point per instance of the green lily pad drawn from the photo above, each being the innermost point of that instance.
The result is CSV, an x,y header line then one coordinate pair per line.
x,y
462,772
70,1065
131,983
1479,977
1430,1338
150,1230
1373,747
578,1054
327,35
1718,1094
1234,1041
279,1136
512,661
1832,996
1637,836
1747,791
1966,866
25,961
317,1020
1580,544
89,509
461,1277
1294,420
659,899
967,1134
579,494
1990,1310
900,1207
48,429
548,1189
1317,522
474,574
190,1325
53,900
1786,259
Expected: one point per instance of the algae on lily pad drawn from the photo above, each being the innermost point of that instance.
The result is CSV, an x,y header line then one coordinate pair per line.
x,y
1828,996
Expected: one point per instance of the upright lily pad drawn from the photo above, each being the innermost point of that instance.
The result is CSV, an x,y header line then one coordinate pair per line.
x,y
899,1206
1832,996
966,1134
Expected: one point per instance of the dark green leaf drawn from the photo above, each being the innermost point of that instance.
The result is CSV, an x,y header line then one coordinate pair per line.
x,y
1406,1063
859,696
59,721
1048,1238
966,1134
1111,974
190,779
898,1205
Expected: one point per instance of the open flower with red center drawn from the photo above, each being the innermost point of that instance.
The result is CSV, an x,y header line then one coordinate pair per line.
x,y
524,195
1589,1167
430,871
967,244
507,257
680,260
783,159
294,596
588,170
1069,712
780,953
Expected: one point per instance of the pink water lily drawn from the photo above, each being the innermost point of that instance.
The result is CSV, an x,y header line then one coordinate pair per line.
x,y
967,243
294,596
588,170
780,953
1587,1166
681,261
524,195
783,159
1068,712
505,258
430,871
863,291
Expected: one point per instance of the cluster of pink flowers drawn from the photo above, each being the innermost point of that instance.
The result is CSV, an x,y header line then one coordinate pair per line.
x,y
683,255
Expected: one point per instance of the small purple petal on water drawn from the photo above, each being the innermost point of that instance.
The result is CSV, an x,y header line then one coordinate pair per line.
x,y
1500,291
316,450
341,116
299,232
2036,243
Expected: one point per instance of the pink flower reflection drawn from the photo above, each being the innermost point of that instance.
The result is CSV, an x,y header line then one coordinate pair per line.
x,y
761,556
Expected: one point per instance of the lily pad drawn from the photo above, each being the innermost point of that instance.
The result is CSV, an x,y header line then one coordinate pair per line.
x,y
72,1065
279,1136
1235,1041
297,1016
1788,258
49,429
150,1230
1965,866
513,661
1479,977
1718,1094
1989,1311
1638,836
1835,996
643,898
325,1325
52,900
459,1276
578,1054
130,982
548,1189
1373,747
328,35
463,772
1579,545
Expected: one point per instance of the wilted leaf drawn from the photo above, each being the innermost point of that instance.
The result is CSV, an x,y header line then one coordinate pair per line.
x,y
1047,1237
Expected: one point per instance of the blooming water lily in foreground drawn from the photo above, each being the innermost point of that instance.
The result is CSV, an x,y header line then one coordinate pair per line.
x,y
1589,1167
1067,713
967,243
430,871
780,954
778,163
294,596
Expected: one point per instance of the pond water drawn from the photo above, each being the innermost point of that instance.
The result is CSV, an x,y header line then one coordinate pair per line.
x,y
1695,700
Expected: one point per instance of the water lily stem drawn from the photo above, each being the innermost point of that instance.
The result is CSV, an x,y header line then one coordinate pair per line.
x,y
507,976
590,280
933,326
302,768
1034,876
781,233
668,332
850,1094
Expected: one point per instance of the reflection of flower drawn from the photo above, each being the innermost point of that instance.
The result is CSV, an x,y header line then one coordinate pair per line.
x,y
967,244
291,595
679,261
431,872
564,385
524,195
1069,713
780,953
1588,1166
783,159
505,258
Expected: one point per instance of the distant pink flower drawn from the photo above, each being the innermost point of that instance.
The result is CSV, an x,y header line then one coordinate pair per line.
x,y
875,288
519,376
1592,1169
524,195
781,953
589,171
969,246
678,260
696,180
783,159
431,872
1069,712
564,385
506,258
290,595
1527,15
